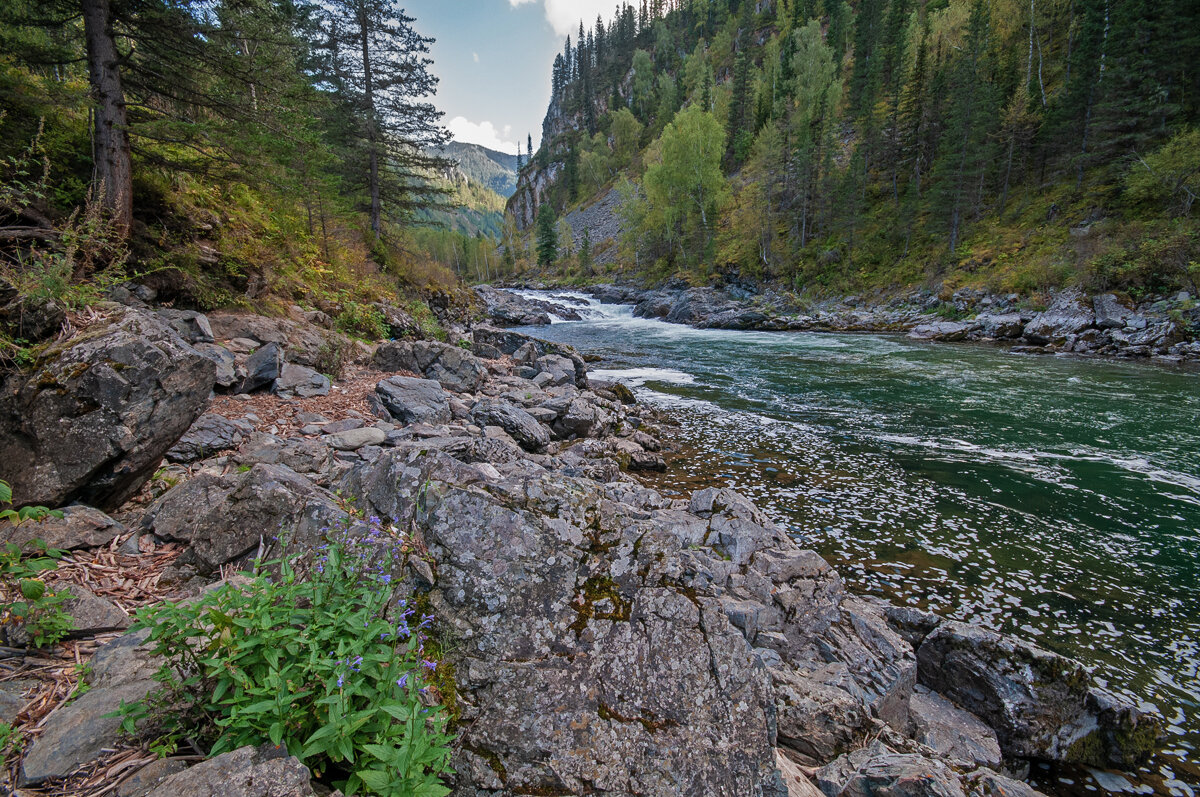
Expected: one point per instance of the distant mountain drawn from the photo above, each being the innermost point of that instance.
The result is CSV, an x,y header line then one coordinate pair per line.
x,y
481,165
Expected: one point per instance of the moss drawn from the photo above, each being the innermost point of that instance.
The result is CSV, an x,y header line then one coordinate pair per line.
x,y
596,589
1088,750
651,725
492,759
1137,744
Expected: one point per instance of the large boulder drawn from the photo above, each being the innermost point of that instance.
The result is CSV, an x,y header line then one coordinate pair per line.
x,y
509,342
583,664
93,419
524,428
587,612
410,400
1067,315
191,326
224,518
453,367
304,343
1040,704
947,331
1110,313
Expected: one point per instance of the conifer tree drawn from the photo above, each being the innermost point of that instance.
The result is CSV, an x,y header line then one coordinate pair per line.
x,y
547,237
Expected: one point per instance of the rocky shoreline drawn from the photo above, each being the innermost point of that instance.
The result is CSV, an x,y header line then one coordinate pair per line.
x,y
607,639
1163,328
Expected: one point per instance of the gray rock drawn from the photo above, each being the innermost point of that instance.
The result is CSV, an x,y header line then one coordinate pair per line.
x,y
585,665
98,412
124,660
304,343
225,517
354,439
262,368
510,342
486,351
209,435
312,458
227,373
453,367
1039,703
245,772
298,381
942,330
1001,327
91,614
984,782
28,318
1066,315
560,369
877,770
79,527
140,783
344,425
1110,313
952,732
524,428
78,733
191,326
13,699
410,400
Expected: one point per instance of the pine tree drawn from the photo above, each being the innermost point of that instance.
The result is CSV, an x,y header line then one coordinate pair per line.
x,y
547,237
964,154
380,64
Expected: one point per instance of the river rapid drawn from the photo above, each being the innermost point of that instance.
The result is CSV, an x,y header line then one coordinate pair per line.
x,y
1056,498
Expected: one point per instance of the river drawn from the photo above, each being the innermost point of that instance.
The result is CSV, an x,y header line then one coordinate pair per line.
x,y
1057,498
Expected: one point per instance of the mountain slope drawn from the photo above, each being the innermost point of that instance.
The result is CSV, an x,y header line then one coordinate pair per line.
x,y
495,170
883,144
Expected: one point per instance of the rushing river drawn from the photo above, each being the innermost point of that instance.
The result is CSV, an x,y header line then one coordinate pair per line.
x,y
1056,498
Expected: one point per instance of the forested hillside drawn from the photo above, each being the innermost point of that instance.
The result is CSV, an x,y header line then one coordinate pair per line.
x,y
1017,144
220,153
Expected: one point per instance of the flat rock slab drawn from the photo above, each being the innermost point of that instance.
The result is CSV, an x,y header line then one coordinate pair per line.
x,y
78,733
79,527
91,614
949,730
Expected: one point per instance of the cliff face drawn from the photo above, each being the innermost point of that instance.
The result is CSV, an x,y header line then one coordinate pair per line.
x,y
537,181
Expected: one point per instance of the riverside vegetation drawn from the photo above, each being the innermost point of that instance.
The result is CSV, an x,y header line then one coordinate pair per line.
x,y
833,148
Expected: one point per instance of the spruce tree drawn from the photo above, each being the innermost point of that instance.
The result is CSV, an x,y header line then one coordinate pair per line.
x,y
547,237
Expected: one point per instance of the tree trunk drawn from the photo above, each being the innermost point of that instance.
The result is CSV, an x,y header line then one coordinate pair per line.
x,y
364,26
112,176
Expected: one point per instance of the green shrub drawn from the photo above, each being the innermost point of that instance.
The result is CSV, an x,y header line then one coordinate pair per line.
x,y
362,320
324,659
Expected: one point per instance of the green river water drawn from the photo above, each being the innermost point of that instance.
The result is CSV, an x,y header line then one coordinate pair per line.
x,y
1056,498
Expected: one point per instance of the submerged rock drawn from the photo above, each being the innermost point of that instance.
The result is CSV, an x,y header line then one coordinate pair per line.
x,y
1040,704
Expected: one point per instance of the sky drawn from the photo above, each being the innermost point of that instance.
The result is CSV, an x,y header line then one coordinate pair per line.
x,y
493,58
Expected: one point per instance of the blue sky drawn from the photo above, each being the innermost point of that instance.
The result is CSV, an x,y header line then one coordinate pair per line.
x,y
494,59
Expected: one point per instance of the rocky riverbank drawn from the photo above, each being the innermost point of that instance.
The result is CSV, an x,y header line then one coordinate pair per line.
x,y
1165,328
607,639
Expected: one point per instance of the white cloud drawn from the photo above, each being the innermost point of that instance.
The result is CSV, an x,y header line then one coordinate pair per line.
x,y
564,15
475,56
484,133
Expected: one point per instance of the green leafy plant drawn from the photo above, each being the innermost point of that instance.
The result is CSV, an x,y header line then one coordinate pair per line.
x,y
25,601
11,741
323,658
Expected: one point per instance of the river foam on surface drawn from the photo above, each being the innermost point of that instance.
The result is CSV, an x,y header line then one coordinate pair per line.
x,y
1053,497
